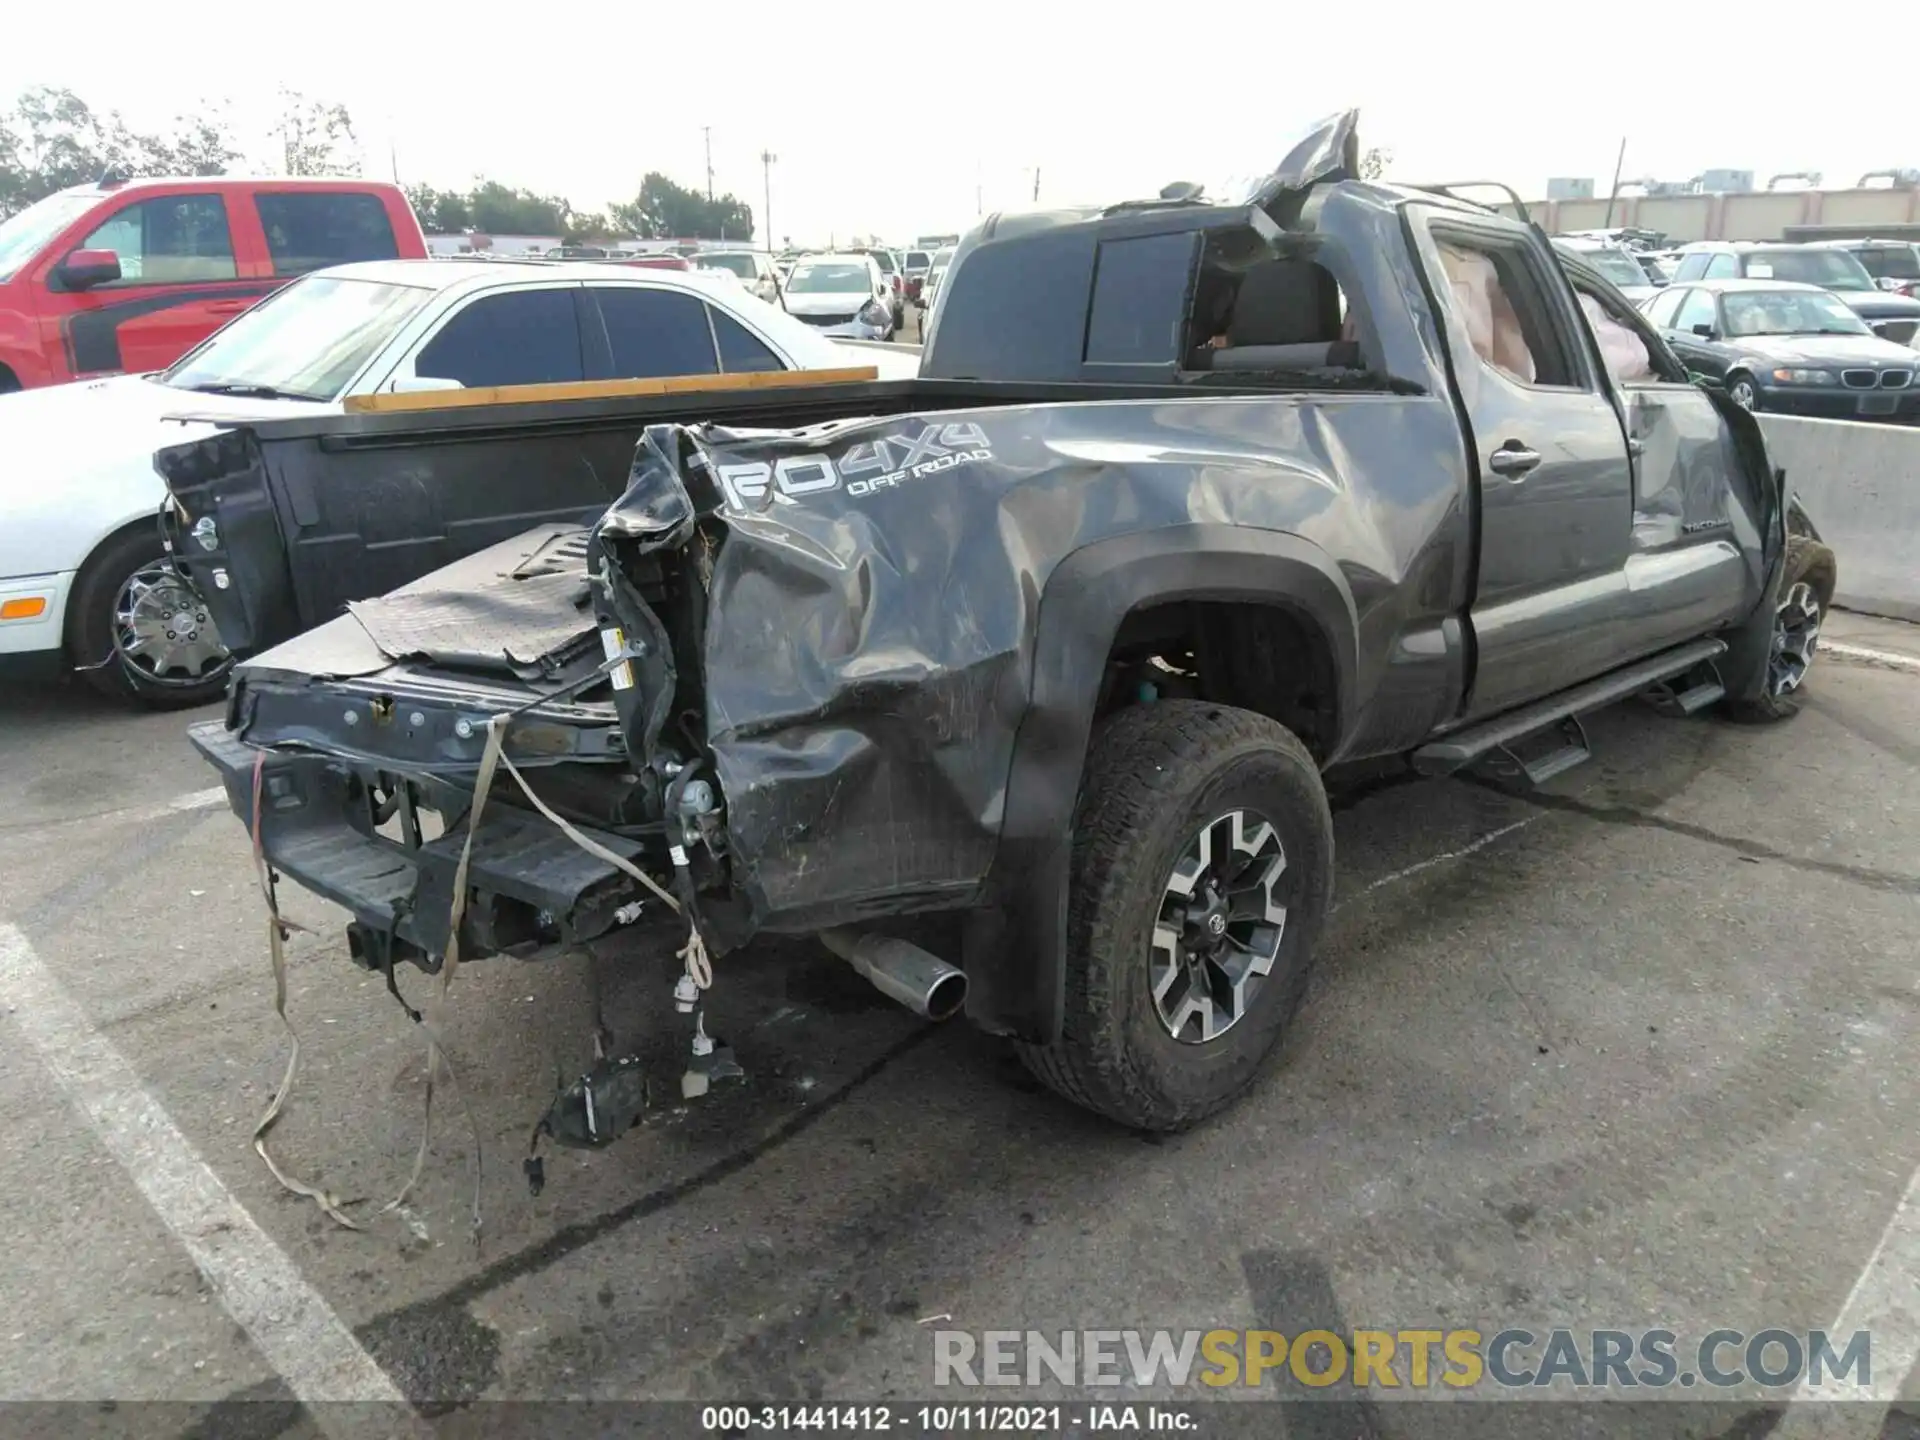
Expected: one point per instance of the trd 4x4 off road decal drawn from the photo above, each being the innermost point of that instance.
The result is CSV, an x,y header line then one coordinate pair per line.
x,y
863,469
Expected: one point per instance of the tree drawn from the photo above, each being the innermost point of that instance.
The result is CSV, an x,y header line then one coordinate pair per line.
x,y
316,138
500,210
201,145
440,212
1374,163
665,210
52,139
580,229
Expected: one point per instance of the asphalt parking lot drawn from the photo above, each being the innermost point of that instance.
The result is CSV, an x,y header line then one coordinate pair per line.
x,y
1638,1052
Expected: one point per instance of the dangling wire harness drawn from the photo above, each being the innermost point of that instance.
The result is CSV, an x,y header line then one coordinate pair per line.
x,y
693,955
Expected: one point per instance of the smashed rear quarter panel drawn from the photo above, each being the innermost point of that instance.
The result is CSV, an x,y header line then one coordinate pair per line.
x,y
869,651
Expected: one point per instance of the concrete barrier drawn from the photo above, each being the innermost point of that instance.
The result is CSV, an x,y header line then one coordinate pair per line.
x,y
1861,485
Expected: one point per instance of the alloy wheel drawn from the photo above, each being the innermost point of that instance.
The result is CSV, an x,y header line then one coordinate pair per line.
x,y
1219,928
1796,634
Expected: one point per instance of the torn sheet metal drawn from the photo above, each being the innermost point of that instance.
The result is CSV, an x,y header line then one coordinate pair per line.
x,y
873,605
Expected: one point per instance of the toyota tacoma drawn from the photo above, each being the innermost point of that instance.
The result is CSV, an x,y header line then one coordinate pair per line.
x,y
1190,503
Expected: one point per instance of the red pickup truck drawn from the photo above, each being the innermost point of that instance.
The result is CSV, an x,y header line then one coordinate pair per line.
x,y
128,275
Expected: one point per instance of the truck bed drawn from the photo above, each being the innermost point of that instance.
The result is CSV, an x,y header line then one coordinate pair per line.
x,y
310,514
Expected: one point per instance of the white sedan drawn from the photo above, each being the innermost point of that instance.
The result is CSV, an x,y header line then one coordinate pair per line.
x,y
84,578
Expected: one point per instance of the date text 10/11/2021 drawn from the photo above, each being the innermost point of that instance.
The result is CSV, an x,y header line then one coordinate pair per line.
x,y
946,1419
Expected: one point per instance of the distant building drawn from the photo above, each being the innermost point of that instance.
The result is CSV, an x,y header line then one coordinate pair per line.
x,y
1880,203
1568,187
474,242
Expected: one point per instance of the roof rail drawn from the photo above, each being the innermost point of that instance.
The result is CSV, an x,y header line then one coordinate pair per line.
x,y
1452,188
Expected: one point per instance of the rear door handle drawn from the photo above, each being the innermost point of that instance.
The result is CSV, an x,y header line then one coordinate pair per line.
x,y
1513,460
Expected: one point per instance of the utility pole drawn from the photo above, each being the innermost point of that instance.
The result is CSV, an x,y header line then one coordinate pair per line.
x,y
707,131
1036,184
1619,160
767,157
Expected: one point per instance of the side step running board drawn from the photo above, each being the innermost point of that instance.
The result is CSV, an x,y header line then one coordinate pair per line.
x,y
1477,742
1690,693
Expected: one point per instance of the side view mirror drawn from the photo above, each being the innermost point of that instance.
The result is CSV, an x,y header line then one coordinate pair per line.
x,y
84,269
421,384
1703,330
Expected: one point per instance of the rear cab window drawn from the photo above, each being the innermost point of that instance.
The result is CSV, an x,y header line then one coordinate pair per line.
x,y
1136,319
310,230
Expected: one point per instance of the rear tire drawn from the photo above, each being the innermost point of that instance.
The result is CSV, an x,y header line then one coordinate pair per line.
x,y
94,621
1785,659
1160,778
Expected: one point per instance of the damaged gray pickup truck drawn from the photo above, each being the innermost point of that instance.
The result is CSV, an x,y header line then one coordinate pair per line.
x,y
1192,503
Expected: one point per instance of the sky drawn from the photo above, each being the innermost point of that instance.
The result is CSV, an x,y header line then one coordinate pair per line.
x,y
908,120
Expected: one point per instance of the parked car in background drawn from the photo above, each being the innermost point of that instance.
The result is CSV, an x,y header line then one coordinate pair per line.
x,y
753,268
128,275
936,272
914,267
889,265
1893,264
84,578
1659,265
843,295
1794,349
1892,317
1619,264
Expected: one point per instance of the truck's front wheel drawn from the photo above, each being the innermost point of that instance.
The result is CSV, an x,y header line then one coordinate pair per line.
x,y
1202,872
1776,647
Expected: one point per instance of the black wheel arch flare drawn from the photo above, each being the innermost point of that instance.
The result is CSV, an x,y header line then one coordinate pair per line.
x,y
1015,944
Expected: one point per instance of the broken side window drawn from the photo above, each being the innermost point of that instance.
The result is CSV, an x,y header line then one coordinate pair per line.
x,y
1278,313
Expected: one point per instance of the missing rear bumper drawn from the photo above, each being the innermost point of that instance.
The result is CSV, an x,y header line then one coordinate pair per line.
x,y
372,842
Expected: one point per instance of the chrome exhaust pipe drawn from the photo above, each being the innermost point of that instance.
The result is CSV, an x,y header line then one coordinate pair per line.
x,y
902,971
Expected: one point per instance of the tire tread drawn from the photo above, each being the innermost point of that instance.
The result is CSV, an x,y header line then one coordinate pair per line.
x,y
1145,762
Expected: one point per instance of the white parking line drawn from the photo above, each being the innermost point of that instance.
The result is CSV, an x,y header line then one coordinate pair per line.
x,y
134,814
1442,858
288,1321
1891,659
1885,1302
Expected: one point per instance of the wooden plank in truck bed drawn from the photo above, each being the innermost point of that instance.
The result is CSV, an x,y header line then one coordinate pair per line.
x,y
384,404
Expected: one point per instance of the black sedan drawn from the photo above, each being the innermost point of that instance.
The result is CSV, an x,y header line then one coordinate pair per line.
x,y
1793,349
